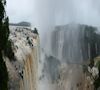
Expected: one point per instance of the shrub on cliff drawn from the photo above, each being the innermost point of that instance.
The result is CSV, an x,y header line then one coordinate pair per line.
x,y
35,31
97,80
96,72
9,51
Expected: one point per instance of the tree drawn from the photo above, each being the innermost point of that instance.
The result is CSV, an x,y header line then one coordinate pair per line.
x,y
35,31
4,34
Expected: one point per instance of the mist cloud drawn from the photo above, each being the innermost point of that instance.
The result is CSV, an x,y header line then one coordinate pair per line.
x,y
46,13
78,11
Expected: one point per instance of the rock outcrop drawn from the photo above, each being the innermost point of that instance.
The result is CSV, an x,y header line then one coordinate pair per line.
x,y
23,70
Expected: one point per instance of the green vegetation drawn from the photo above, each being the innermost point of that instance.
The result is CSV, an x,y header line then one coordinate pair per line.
x,y
96,63
9,52
93,39
97,80
4,35
35,31
3,74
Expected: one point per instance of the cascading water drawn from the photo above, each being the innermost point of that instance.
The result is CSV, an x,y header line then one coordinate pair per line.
x,y
66,44
67,48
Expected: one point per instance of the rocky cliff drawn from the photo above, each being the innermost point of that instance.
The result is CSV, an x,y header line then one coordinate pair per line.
x,y
23,68
68,48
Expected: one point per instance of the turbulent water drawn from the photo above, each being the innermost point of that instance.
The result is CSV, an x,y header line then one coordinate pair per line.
x,y
65,50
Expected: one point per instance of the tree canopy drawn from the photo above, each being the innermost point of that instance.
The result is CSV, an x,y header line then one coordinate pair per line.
x,y
4,34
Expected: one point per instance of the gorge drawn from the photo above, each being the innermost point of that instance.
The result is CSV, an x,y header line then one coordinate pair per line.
x,y
58,63
61,53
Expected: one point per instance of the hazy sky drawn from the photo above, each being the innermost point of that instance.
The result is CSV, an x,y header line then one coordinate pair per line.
x,y
19,10
49,12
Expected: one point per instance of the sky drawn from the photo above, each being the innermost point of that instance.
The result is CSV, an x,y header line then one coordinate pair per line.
x,y
19,10
47,13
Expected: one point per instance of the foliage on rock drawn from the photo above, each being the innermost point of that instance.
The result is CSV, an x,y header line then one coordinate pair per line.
x,y
35,31
4,45
94,70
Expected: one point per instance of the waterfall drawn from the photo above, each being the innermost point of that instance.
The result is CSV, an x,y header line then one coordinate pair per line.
x,y
66,44
67,48
23,69
73,43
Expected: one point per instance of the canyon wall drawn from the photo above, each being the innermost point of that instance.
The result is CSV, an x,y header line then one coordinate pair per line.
x,y
67,49
75,43
64,53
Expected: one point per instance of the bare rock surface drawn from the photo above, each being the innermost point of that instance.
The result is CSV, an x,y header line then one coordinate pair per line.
x,y
23,70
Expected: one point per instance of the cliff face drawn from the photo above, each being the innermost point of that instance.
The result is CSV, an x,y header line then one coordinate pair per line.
x,y
24,68
75,43
67,50
62,59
